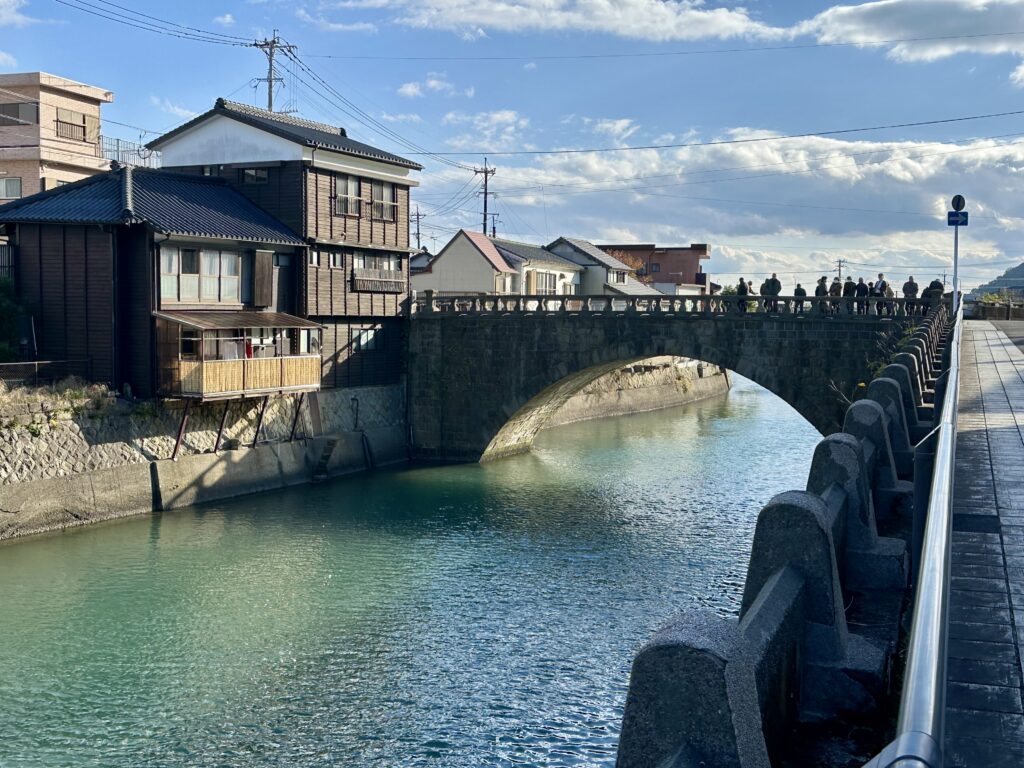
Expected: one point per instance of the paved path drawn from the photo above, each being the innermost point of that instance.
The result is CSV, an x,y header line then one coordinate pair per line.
x,y
985,709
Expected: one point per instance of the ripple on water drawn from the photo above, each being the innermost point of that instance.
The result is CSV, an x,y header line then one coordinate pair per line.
x,y
462,616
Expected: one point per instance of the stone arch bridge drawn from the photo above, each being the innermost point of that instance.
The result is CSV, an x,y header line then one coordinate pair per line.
x,y
486,372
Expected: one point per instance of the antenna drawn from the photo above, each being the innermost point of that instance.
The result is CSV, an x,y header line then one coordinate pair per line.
x,y
270,47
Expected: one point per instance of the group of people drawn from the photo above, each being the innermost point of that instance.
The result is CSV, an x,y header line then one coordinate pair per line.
x,y
827,295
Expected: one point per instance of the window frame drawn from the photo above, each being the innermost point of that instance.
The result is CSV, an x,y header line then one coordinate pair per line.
x,y
384,209
226,279
5,182
348,204
27,113
545,277
368,339
255,177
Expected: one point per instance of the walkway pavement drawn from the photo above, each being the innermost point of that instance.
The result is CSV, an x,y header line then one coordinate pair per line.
x,y
984,704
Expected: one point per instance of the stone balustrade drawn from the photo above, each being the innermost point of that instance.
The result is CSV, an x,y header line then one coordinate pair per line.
x,y
430,304
727,692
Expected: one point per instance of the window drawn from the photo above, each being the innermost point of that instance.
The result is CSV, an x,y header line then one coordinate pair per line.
x,y
338,260
77,126
617,276
282,259
384,261
209,170
367,339
189,345
384,206
346,201
190,276
655,267
10,188
547,283
314,258
19,113
255,175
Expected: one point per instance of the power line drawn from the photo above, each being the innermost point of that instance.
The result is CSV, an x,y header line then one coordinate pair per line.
x,y
656,54
721,142
152,24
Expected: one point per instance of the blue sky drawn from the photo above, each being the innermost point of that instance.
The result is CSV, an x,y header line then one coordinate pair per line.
x,y
792,205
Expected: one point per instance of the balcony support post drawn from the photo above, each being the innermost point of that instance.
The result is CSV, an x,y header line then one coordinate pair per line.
x,y
181,430
259,420
223,422
295,419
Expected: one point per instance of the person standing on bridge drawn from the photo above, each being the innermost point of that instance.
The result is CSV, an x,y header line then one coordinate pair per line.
x,y
742,290
849,291
774,289
764,292
835,291
910,292
881,290
861,292
799,292
821,289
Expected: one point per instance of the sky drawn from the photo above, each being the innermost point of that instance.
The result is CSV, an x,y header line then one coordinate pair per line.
x,y
641,78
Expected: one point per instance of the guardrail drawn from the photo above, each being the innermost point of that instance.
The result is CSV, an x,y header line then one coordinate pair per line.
x,y
868,308
36,372
920,730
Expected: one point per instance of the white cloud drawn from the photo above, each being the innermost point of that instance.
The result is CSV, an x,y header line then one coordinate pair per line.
x,y
404,117
11,15
434,82
639,19
530,66
226,20
170,108
496,130
334,26
6,60
618,130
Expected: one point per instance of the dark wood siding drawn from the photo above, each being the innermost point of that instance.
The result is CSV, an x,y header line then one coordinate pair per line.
x,y
136,256
329,290
66,284
323,223
263,277
345,367
281,196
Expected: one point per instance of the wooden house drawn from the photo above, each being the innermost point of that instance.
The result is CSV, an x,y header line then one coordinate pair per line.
x,y
349,203
165,284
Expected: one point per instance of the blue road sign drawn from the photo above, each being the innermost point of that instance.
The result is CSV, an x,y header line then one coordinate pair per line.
x,y
956,218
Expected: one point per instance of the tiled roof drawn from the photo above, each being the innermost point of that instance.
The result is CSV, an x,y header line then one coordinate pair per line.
x,y
532,253
635,288
592,251
305,132
171,203
486,247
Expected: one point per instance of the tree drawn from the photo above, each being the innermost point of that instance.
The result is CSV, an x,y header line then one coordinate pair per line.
x,y
635,263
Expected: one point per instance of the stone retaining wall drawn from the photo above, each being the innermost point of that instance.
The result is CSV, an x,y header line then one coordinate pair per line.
x,y
649,385
46,435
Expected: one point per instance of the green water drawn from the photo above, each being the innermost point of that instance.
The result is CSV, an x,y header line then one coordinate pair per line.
x,y
458,616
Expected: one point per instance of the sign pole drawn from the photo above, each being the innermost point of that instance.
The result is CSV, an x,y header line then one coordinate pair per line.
x,y
956,261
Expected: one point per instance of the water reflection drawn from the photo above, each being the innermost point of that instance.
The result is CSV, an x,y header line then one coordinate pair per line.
x,y
457,616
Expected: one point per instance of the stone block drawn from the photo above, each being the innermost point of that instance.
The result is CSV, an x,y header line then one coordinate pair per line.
x,y
886,392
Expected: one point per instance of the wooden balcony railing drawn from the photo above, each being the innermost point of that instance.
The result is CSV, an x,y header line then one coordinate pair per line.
x,y
752,307
378,280
213,378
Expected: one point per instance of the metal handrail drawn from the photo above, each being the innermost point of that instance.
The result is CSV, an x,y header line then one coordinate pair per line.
x,y
921,726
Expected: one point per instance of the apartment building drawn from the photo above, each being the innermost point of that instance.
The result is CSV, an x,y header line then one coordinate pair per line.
x,y
49,132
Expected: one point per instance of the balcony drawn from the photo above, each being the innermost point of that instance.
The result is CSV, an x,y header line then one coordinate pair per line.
x,y
208,379
217,355
378,280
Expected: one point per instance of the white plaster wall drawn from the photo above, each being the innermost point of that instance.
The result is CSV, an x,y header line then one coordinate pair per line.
x,y
460,268
221,140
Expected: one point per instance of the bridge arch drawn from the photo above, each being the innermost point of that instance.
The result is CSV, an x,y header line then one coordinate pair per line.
x,y
482,385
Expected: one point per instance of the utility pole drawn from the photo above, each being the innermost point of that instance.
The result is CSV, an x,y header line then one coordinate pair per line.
x,y
270,47
494,224
418,216
433,243
839,267
487,172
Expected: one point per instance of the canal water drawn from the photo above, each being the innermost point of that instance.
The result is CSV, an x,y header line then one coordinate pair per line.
x,y
455,617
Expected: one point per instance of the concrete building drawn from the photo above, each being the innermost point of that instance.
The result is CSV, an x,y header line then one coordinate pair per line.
x,y
49,132
675,270
473,263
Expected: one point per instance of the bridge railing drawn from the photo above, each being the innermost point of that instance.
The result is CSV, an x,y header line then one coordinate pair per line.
x,y
817,633
920,730
868,308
